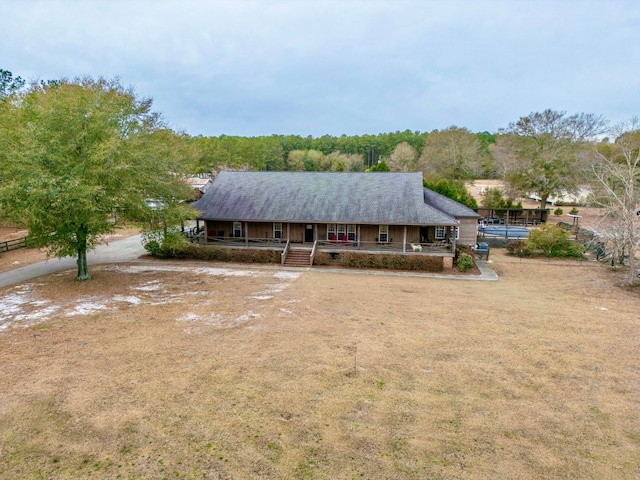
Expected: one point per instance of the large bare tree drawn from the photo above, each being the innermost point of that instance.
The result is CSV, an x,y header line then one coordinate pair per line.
x,y
451,154
403,158
617,170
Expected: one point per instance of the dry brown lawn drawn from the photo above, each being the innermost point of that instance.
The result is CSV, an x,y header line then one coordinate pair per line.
x,y
202,371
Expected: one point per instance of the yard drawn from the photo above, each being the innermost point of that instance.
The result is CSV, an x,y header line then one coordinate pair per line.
x,y
184,370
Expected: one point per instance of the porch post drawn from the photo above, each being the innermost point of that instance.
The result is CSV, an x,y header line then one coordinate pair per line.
x,y
315,232
246,234
404,240
288,232
358,235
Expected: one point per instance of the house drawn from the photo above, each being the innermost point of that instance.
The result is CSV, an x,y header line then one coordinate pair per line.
x,y
199,185
333,211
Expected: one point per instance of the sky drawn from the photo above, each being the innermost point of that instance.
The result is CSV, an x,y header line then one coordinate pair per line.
x,y
317,67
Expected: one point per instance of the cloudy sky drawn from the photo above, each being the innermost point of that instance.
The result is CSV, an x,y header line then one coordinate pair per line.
x,y
315,67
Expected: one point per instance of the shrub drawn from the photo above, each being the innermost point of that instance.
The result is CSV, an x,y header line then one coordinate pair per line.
x,y
322,258
557,212
390,262
552,241
465,262
174,245
574,211
519,248
152,247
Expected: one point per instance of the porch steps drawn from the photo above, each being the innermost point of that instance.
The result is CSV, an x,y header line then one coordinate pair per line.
x,y
298,258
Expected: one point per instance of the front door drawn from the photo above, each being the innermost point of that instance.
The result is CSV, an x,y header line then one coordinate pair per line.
x,y
308,234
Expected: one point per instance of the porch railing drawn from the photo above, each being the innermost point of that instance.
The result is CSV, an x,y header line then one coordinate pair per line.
x,y
313,252
384,246
283,255
331,245
241,241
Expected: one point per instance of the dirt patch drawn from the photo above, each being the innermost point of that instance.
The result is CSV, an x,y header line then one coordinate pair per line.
x,y
193,371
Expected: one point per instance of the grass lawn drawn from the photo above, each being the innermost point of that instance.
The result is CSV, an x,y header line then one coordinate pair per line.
x,y
178,370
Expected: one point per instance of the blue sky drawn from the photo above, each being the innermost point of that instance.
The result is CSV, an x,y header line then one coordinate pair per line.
x,y
313,67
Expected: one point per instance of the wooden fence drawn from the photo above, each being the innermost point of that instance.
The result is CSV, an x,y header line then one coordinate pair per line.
x,y
13,244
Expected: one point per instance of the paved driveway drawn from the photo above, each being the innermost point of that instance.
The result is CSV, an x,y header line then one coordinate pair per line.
x,y
125,250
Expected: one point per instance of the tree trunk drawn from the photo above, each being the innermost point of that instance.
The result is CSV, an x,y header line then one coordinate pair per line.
x,y
83,269
543,200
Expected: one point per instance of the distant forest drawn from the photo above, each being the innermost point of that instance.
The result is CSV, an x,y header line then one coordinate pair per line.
x,y
400,151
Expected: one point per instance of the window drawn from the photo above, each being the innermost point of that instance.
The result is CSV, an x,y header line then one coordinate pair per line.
x,y
331,231
351,233
342,232
237,229
457,233
383,234
277,229
440,231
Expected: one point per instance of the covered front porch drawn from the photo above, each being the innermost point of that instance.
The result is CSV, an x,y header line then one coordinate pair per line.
x,y
437,240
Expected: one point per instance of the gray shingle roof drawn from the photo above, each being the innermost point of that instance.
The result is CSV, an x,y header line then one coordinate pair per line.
x,y
323,197
447,205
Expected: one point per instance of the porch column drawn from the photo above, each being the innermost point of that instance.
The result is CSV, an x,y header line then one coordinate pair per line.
x,y
288,232
315,232
358,227
246,234
404,240
453,239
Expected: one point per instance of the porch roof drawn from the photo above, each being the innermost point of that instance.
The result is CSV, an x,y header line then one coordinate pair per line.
x,y
447,205
321,197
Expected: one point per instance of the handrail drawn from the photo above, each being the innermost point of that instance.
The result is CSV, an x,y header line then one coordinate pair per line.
x,y
283,255
285,246
313,252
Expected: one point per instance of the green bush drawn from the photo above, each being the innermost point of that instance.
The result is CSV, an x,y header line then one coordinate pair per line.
x,y
465,262
553,242
152,247
557,212
174,245
574,211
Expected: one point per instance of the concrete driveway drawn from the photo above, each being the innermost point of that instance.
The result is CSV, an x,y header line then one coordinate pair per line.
x,y
125,250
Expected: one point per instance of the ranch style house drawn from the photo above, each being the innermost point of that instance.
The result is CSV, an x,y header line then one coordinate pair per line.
x,y
378,212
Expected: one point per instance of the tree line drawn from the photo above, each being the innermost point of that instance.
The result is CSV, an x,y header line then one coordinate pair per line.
x,y
79,157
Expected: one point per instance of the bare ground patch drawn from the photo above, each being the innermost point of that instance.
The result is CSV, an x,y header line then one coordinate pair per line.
x,y
201,372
